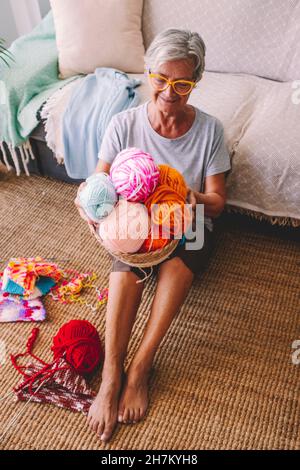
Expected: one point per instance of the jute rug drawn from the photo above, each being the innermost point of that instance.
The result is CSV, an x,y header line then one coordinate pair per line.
x,y
223,377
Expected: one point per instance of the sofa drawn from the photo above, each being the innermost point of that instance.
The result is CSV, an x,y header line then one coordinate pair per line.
x,y
251,83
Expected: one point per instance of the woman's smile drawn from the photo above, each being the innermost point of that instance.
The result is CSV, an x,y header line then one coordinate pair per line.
x,y
167,101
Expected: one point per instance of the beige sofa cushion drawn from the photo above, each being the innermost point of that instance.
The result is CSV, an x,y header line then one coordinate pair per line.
x,y
230,97
266,163
260,119
259,37
98,33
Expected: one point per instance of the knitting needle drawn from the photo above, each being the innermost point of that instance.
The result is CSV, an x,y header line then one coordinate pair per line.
x,y
16,416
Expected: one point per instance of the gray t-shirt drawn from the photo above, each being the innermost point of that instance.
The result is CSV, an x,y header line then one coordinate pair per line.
x,y
200,152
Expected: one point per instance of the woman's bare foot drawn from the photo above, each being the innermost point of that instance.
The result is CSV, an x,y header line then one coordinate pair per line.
x,y
134,398
102,416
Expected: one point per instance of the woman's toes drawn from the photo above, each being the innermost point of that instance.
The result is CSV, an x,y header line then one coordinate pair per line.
x,y
121,415
132,415
100,428
91,422
104,437
107,433
126,416
94,425
137,415
89,418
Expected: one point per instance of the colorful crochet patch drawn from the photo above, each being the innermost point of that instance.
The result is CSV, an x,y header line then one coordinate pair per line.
x,y
14,308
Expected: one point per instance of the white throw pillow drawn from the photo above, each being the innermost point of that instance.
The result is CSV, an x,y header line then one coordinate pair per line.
x,y
98,33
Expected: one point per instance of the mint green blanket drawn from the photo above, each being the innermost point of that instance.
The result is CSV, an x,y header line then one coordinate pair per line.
x,y
27,83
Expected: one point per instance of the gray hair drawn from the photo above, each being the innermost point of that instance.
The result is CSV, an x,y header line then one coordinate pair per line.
x,y
175,44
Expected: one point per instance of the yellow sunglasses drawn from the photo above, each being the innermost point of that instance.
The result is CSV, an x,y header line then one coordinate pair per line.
x,y
181,87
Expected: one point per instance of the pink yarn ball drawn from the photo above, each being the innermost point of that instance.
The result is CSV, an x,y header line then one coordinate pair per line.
x,y
134,174
126,228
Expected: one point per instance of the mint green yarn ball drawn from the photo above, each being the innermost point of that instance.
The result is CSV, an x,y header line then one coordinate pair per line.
x,y
98,197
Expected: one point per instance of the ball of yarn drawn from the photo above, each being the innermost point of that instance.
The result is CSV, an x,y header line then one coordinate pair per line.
x,y
153,244
126,227
98,197
134,174
166,206
79,343
173,178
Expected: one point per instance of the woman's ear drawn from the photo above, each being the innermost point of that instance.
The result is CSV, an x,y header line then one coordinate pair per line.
x,y
146,73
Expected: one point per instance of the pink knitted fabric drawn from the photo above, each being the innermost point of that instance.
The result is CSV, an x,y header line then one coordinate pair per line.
x,y
65,388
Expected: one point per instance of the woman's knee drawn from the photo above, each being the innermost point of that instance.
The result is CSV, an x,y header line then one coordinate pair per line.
x,y
125,278
178,266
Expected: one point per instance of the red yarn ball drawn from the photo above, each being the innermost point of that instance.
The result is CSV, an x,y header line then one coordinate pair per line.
x,y
79,343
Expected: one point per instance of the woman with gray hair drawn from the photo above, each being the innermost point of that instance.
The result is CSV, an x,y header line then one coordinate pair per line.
x,y
192,141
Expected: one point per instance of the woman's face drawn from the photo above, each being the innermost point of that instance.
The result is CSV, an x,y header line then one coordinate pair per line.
x,y
168,101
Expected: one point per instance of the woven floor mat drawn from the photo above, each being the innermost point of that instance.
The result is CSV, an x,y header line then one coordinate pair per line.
x,y
223,377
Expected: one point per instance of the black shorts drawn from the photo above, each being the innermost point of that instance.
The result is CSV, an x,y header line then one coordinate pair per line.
x,y
195,260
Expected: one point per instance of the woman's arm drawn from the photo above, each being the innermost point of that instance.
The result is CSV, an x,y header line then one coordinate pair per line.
x,y
214,196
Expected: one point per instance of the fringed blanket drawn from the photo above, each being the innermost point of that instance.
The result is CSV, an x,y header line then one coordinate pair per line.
x,y
26,83
98,97
52,115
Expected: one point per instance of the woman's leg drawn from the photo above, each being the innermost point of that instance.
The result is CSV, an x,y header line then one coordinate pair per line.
x,y
174,282
123,303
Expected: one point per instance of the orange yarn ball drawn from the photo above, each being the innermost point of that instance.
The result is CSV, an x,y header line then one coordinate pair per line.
x,y
169,217
153,244
174,179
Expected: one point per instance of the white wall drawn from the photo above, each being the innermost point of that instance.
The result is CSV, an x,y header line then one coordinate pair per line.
x,y
8,27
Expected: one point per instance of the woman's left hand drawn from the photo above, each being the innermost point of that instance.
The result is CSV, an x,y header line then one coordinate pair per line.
x,y
191,198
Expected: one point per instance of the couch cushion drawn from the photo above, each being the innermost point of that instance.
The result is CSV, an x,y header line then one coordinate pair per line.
x,y
261,121
98,33
265,173
256,37
230,97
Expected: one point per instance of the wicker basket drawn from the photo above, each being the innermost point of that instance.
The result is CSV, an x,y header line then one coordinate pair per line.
x,y
142,260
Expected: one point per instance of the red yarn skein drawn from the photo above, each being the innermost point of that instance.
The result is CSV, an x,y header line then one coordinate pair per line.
x,y
79,343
